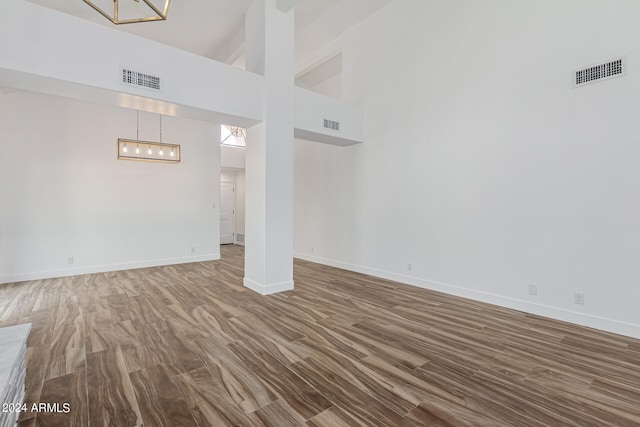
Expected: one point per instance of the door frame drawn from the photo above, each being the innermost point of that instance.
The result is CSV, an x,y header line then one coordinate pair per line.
x,y
233,210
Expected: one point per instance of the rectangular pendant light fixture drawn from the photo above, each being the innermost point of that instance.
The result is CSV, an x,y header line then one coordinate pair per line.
x,y
146,151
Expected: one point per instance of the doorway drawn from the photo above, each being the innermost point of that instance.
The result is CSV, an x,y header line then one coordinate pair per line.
x,y
227,213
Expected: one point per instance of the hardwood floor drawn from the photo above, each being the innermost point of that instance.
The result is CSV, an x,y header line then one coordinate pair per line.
x,y
187,345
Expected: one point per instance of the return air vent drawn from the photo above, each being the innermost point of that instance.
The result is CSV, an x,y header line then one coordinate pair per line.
x,y
600,72
137,79
330,124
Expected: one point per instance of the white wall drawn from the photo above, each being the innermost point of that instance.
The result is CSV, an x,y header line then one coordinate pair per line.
x,y
228,176
240,210
311,109
482,167
64,194
325,215
232,157
332,87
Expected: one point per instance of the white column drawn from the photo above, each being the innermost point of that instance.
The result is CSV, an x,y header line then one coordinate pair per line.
x,y
268,266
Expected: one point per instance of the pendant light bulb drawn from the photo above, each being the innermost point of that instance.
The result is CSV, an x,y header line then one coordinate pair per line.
x,y
138,149
149,151
172,153
160,152
124,149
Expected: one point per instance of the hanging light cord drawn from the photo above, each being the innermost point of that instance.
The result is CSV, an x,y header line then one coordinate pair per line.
x,y
160,128
138,126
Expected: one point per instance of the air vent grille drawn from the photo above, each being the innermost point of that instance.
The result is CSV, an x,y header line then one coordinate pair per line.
x,y
600,72
138,79
330,124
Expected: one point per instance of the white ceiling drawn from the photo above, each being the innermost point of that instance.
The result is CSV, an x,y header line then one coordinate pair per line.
x,y
215,28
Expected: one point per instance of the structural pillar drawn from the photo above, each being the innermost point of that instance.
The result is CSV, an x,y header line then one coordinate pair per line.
x,y
268,266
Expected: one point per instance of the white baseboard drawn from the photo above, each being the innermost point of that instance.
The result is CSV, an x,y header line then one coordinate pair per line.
x,y
267,289
75,271
596,322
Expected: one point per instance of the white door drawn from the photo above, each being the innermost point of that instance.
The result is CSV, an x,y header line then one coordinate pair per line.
x,y
227,212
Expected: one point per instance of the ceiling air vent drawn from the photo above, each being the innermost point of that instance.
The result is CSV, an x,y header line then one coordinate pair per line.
x,y
330,124
600,72
138,79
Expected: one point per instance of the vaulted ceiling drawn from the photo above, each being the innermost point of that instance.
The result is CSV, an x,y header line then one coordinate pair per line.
x,y
215,28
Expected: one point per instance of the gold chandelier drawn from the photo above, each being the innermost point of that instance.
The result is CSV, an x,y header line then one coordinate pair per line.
x,y
131,11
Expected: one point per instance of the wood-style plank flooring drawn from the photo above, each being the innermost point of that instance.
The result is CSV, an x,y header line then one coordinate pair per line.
x,y
188,345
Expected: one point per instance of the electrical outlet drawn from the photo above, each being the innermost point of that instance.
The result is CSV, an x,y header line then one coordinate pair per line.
x,y
533,289
578,298
409,267
70,260
193,249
